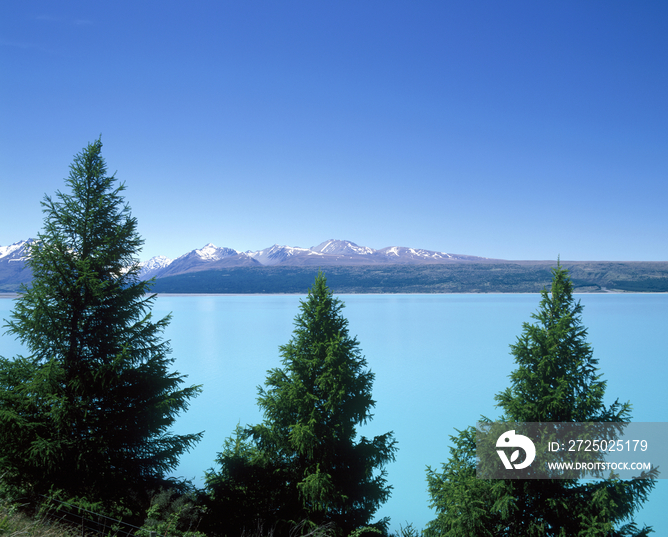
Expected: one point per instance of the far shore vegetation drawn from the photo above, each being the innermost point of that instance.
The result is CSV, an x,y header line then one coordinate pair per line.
x,y
523,277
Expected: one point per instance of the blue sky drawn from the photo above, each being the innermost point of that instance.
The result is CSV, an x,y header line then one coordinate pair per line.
x,y
515,130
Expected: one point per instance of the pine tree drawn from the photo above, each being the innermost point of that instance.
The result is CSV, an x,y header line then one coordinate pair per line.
x,y
89,410
305,462
556,380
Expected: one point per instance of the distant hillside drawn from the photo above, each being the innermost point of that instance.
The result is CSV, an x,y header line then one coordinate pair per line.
x,y
523,277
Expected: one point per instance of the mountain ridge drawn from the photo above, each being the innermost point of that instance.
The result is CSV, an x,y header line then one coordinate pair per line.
x,y
359,269
332,252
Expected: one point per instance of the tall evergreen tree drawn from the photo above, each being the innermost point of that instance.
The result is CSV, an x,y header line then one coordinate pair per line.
x,y
305,461
89,410
556,380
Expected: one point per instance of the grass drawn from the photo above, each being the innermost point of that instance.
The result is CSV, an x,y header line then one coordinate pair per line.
x,y
14,523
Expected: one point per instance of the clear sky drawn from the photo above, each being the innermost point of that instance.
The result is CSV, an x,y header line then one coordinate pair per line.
x,y
515,130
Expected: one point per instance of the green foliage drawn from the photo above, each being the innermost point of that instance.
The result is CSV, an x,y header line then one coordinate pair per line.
x,y
247,493
304,463
366,531
173,514
73,513
556,380
60,501
557,377
407,531
88,412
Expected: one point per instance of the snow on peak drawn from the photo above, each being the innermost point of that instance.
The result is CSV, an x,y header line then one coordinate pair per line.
x,y
404,253
153,266
209,252
277,253
338,247
16,251
157,262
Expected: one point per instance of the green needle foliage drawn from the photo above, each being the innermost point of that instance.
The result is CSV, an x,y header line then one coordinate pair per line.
x,y
88,412
556,380
305,462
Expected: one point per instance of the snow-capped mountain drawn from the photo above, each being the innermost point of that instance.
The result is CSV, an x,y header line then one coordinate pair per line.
x,y
208,257
153,266
281,255
348,252
13,270
335,247
15,252
209,252
328,253
400,254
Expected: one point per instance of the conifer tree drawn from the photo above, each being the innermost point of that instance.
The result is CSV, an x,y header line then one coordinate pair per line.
x,y
305,461
89,410
556,380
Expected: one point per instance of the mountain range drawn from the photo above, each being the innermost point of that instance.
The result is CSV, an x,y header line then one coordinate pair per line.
x,y
329,253
352,268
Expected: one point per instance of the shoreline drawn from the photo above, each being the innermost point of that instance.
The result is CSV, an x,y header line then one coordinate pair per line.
x,y
170,295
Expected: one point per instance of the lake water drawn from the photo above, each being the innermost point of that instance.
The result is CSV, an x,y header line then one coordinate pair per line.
x,y
438,360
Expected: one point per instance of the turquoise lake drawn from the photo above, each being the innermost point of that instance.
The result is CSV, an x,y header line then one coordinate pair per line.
x,y
438,362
